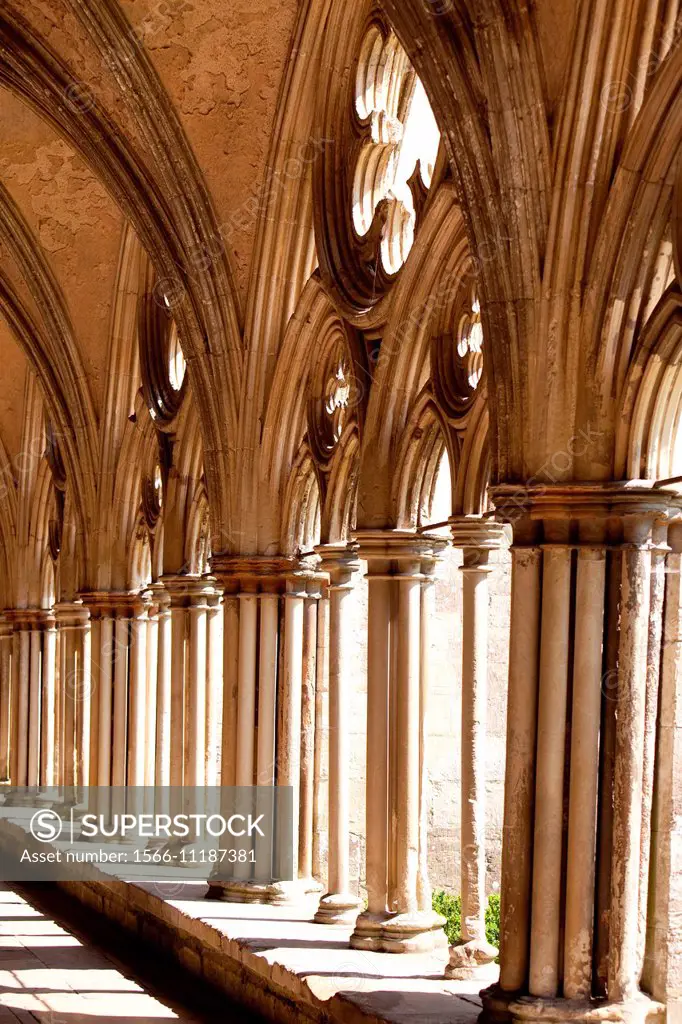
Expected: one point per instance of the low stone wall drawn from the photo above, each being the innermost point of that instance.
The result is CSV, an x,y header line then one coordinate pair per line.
x,y
273,961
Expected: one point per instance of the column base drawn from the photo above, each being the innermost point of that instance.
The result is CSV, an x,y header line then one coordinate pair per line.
x,y
471,959
338,908
503,1006
417,932
272,893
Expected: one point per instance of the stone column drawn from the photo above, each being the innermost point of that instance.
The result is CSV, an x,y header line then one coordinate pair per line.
x,y
368,928
73,622
178,588
196,683
623,976
339,905
321,768
477,538
663,966
228,750
214,684
5,691
307,781
584,772
19,700
163,687
267,687
395,921
262,696
121,632
48,746
35,694
578,681
246,691
137,700
290,697
300,585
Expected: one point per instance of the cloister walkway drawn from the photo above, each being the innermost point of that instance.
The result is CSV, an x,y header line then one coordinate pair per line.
x,y
51,973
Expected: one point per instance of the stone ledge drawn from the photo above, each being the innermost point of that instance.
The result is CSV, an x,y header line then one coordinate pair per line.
x,y
276,962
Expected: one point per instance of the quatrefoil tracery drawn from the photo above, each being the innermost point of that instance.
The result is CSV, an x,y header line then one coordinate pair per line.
x,y
370,186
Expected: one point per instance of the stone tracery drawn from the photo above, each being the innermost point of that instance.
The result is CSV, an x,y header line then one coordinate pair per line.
x,y
180,571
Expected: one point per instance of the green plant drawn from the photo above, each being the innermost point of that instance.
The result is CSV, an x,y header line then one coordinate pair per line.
x,y
451,908
492,920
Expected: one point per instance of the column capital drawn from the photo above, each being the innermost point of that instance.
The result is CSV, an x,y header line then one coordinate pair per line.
x,y
340,561
576,513
159,596
261,573
398,552
116,603
477,537
25,618
186,591
72,614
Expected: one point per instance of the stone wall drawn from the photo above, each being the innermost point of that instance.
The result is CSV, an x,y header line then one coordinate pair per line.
x,y
443,751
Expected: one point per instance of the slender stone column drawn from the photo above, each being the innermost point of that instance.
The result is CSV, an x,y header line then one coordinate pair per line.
x,y
246,709
584,774
289,745
5,691
393,921
549,785
623,979
262,696
151,689
428,618
663,968
408,736
104,697
321,767
121,657
138,693
267,688
48,748
35,690
605,791
95,670
477,538
369,924
195,689
228,757
214,684
73,621
177,587
163,683
305,839
19,702
653,673
339,905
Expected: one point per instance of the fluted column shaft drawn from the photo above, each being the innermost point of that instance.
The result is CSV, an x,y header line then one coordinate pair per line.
x,y
477,538
264,651
137,701
5,693
163,695
214,685
73,622
395,919
339,905
596,746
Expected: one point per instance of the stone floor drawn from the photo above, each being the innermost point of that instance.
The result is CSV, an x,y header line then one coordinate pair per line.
x,y
49,974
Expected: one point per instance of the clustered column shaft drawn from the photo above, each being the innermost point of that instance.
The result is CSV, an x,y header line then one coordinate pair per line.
x,y
584,735
398,917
